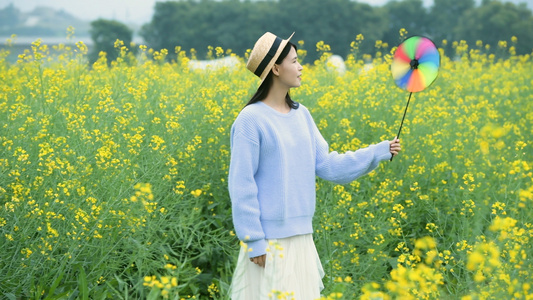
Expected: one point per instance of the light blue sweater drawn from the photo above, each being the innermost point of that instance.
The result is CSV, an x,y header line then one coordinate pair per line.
x,y
275,159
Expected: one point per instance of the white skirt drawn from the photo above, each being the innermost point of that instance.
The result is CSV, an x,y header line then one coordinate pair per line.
x,y
292,271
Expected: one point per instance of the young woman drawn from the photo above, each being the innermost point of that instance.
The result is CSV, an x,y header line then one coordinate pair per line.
x,y
276,153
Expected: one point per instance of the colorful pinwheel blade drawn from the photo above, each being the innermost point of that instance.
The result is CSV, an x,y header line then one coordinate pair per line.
x,y
415,64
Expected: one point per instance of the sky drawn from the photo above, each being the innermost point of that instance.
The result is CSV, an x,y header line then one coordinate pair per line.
x,y
132,11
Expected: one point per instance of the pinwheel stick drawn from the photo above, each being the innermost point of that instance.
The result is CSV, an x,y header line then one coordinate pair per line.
x,y
403,118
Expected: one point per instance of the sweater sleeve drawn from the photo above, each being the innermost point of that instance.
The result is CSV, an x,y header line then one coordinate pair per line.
x,y
346,167
243,191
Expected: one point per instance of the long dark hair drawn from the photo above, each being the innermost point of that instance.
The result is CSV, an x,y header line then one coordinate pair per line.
x,y
263,89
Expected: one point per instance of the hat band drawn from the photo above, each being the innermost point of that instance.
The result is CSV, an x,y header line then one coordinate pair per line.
x,y
268,57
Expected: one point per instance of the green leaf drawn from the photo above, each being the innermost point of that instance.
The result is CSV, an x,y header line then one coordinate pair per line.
x,y
54,286
82,284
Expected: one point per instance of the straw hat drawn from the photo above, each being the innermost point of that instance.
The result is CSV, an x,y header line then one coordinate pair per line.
x,y
266,51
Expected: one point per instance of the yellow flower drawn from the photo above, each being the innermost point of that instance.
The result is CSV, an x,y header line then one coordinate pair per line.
x,y
196,193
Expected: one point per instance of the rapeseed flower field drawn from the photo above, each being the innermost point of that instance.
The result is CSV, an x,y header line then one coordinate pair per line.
x,y
113,177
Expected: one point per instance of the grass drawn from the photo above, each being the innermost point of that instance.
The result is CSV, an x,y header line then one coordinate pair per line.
x,y
113,178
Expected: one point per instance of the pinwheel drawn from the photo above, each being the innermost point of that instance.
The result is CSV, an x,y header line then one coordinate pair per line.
x,y
414,67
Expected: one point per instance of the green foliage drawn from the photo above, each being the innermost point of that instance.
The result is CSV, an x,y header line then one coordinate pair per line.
x,y
113,179
444,16
193,24
500,20
408,14
104,34
236,25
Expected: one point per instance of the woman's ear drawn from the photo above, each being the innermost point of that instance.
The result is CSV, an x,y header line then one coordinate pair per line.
x,y
275,70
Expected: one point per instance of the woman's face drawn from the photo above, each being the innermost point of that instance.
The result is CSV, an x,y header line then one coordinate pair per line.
x,y
289,71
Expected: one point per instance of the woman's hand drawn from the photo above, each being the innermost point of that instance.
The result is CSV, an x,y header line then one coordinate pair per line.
x,y
259,260
395,147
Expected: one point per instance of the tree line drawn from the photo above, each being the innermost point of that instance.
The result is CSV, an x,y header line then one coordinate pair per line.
x,y
236,25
